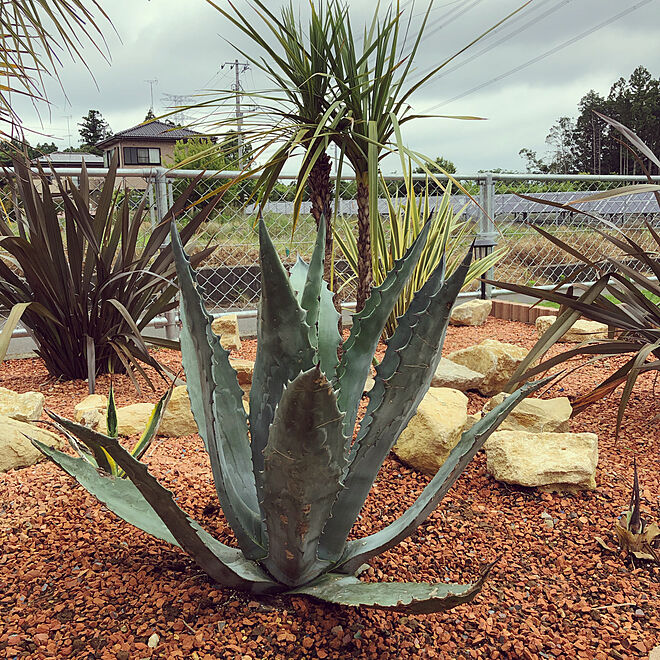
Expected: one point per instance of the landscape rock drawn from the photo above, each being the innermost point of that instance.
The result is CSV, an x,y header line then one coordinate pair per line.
x,y
178,419
23,407
551,461
16,451
472,312
244,369
471,421
580,331
434,430
495,359
131,420
227,327
456,376
91,410
535,415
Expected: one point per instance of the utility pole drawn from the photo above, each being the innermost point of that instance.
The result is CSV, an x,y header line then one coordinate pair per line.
x,y
151,83
68,128
239,67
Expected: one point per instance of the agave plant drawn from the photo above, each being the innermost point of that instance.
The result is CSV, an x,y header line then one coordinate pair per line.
x,y
447,234
85,288
290,479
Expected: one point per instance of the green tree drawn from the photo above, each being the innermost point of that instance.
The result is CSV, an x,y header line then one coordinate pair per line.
x,y
440,164
93,129
561,140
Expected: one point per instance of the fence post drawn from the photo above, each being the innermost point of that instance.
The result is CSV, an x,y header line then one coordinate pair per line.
x,y
162,207
487,235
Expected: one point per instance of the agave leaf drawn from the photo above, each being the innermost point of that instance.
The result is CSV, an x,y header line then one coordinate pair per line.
x,y
412,598
311,296
402,379
224,564
304,460
359,551
283,348
120,495
367,328
216,403
329,338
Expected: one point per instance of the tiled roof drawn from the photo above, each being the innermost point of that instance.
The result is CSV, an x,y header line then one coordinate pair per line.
x,y
155,130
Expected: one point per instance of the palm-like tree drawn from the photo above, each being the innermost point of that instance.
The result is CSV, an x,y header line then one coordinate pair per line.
x,y
299,113
35,33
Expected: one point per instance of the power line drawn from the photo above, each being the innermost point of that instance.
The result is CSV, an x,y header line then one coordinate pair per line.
x,y
538,58
509,23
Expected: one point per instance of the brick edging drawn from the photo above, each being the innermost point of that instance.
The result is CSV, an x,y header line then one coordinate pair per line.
x,y
513,311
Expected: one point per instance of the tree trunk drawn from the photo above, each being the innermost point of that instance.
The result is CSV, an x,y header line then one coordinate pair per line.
x,y
363,241
320,192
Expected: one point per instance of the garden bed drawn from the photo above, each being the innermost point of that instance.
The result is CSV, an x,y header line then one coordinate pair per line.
x,y
78,582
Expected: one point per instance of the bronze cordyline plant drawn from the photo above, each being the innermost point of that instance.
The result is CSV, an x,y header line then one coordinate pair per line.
x,y
289,477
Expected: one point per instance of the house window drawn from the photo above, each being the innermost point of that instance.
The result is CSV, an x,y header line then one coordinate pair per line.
x,y
107,156
141,156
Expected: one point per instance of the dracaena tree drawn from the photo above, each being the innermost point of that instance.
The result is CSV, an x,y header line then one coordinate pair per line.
x,y
289,477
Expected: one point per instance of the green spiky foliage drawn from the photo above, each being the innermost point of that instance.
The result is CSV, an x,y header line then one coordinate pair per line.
x,y
290,479
80,280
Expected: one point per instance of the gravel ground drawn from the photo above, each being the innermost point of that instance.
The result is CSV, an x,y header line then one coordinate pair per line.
x,y
78,582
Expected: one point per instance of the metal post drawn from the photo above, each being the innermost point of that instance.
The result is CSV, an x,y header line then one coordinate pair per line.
x,y
487,233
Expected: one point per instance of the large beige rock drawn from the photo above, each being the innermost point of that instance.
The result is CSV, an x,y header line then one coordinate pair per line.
x,y
456,376
434,430
23,407
580,331
495,359
244,370
16,451
472,312
178,419
91,410
227,327
131,420
535,415
552,461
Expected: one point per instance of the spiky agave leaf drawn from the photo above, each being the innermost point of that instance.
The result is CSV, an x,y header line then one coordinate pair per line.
x,y
283,347
326,331
226,565
361,550
304,460
408,597
216,403
402,379
367,328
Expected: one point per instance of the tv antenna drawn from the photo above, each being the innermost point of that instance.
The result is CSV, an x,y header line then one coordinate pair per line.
x,y
151,83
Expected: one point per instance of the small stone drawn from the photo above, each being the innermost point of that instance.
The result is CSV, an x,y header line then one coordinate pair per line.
x,y
547,519
474,312
639,613
152,642
226,326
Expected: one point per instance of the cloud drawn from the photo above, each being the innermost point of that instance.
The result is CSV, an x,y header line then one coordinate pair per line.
x,y
184,44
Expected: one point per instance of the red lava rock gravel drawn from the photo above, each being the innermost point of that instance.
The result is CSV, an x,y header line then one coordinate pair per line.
x,y
77,582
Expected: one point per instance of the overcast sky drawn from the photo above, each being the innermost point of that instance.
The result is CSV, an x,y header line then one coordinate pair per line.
x,y
183,43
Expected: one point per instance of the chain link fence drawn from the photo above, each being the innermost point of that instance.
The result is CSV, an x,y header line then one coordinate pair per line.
x,y
491,201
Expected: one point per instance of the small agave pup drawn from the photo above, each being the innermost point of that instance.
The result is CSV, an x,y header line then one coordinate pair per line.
x,y
290,479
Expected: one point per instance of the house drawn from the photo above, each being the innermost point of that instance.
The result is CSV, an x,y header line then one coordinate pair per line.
x,y
145,145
